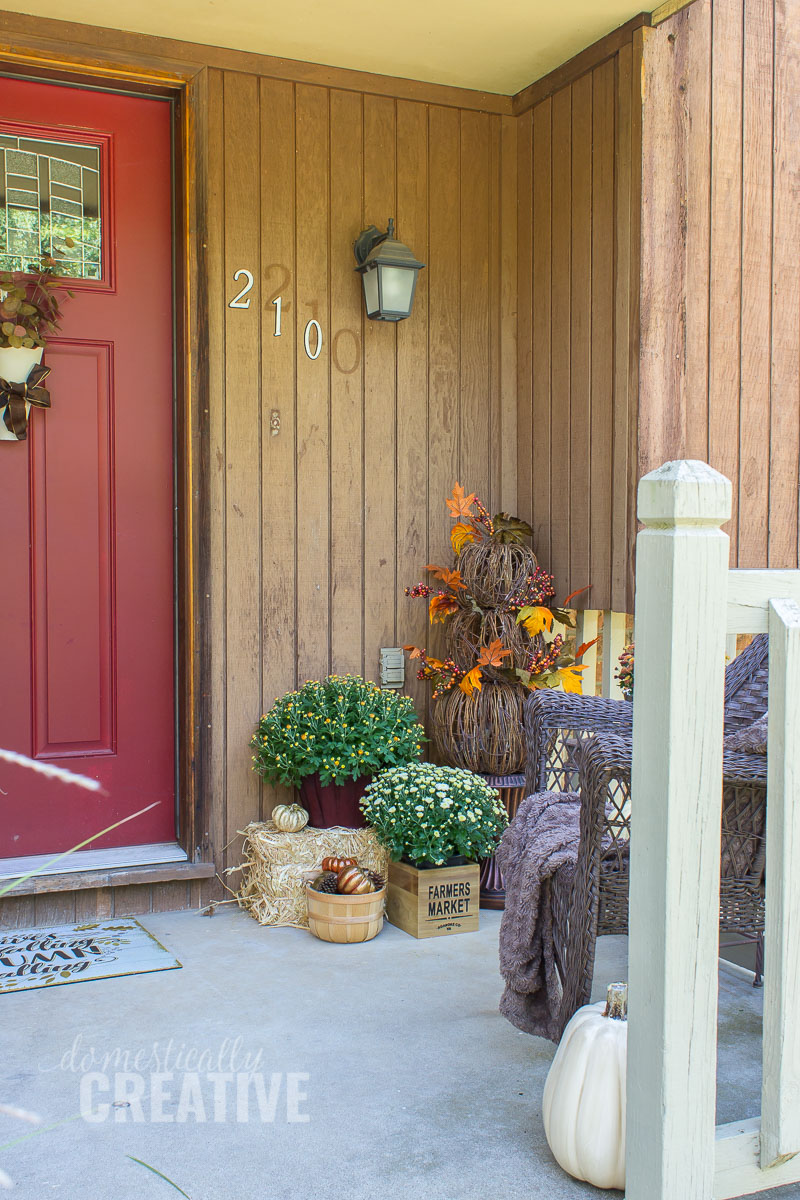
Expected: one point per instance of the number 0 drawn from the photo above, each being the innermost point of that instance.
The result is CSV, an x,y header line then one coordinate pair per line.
x,y
307,339
239,301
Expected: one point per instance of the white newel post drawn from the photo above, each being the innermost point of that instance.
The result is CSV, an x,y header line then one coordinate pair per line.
x,y
681,597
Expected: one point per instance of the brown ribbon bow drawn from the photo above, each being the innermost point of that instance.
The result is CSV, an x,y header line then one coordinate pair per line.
x,y
16,395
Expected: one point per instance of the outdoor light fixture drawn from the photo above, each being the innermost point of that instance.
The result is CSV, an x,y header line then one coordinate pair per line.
x,y
388,271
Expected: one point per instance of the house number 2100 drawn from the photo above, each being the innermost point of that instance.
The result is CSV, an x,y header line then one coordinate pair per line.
x,y
239,301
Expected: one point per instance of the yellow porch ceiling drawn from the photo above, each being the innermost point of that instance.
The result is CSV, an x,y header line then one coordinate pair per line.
x,y
499,47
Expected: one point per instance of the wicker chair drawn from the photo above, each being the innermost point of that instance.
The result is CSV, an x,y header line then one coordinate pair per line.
x,y
584,744
556,723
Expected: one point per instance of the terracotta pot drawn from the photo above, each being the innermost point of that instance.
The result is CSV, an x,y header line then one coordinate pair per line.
x,y
333,803
16,364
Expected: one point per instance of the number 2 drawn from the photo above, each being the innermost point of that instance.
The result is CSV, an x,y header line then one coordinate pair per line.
x,y
239,301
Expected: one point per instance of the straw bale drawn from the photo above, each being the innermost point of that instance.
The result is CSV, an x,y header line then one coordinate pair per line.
x,y
278,865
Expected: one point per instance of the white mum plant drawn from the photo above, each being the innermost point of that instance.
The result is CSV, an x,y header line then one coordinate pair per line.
x,y
428,814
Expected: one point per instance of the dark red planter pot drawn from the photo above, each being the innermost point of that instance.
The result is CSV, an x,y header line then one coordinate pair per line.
x,y
333,803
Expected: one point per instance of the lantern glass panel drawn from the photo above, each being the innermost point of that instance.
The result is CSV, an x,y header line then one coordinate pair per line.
x,y
397,288
371,290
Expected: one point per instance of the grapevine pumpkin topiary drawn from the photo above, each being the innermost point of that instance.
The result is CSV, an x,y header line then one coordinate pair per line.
x,y
497,607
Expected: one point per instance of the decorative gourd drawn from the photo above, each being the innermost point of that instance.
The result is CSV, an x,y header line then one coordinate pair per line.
x,y
584,1097
289,818
352,881
337,864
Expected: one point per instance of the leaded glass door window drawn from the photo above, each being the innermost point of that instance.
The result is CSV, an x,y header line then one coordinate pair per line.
x,y
50,204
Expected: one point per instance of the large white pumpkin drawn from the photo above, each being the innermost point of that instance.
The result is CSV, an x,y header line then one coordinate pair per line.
x,y
584,1096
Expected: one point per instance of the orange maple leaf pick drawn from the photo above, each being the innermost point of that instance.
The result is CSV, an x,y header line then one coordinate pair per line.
x,y
572,595
493,654
570,678
459,504
442,607
460,534
535,618
471,681
451,578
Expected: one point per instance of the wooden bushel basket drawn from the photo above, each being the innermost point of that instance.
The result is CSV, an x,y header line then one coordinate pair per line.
x,y
345,918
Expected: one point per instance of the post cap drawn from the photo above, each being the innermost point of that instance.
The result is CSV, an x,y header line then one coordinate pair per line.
x,y
684,492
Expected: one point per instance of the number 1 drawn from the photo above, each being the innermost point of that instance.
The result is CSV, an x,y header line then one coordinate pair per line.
x,y
277,302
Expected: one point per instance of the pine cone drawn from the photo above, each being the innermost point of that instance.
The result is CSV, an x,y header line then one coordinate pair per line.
x,y
375,877
326,882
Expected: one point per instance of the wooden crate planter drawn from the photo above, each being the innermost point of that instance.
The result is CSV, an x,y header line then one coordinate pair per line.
x,y
432,903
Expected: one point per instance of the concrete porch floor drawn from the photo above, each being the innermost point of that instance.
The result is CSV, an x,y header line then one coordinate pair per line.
x,y
416,1087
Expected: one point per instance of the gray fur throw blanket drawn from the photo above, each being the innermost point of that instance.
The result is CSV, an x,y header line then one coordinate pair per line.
x,y
542,838
750,740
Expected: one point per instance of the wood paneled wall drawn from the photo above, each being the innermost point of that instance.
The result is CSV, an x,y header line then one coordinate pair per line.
x,y
720,362
315,531
579,198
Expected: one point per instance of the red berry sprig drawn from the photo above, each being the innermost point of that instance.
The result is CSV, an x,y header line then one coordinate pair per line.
x,y
544,660
539,588
483,516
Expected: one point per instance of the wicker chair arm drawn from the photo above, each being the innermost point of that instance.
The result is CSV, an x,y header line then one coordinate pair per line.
x,y
553,719
610,756
747,685
741,768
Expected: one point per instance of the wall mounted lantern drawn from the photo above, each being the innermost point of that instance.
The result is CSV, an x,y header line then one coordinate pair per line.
x,y
388,272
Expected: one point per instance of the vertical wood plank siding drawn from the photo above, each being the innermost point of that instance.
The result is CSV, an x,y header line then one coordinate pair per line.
x,y
720,331
579,152
315,531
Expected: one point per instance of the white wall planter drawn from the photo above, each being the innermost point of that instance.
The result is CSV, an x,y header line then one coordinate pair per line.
x,y
16,364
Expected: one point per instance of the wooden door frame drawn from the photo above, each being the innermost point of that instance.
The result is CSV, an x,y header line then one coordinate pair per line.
x,y
186,84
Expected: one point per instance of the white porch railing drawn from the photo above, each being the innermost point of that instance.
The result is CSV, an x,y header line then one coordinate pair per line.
x,y
683,591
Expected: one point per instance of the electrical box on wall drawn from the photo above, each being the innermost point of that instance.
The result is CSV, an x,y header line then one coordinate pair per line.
x,y
393,667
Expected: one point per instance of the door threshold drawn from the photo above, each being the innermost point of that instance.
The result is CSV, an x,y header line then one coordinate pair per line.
x,y
95,860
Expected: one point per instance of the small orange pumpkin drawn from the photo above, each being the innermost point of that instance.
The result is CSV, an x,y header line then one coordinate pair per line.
x,y
352,881
337,864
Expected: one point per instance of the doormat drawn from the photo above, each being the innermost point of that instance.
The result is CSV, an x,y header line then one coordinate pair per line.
x,y
35,958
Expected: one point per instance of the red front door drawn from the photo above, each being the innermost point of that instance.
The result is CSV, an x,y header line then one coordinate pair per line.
x,y
86,535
